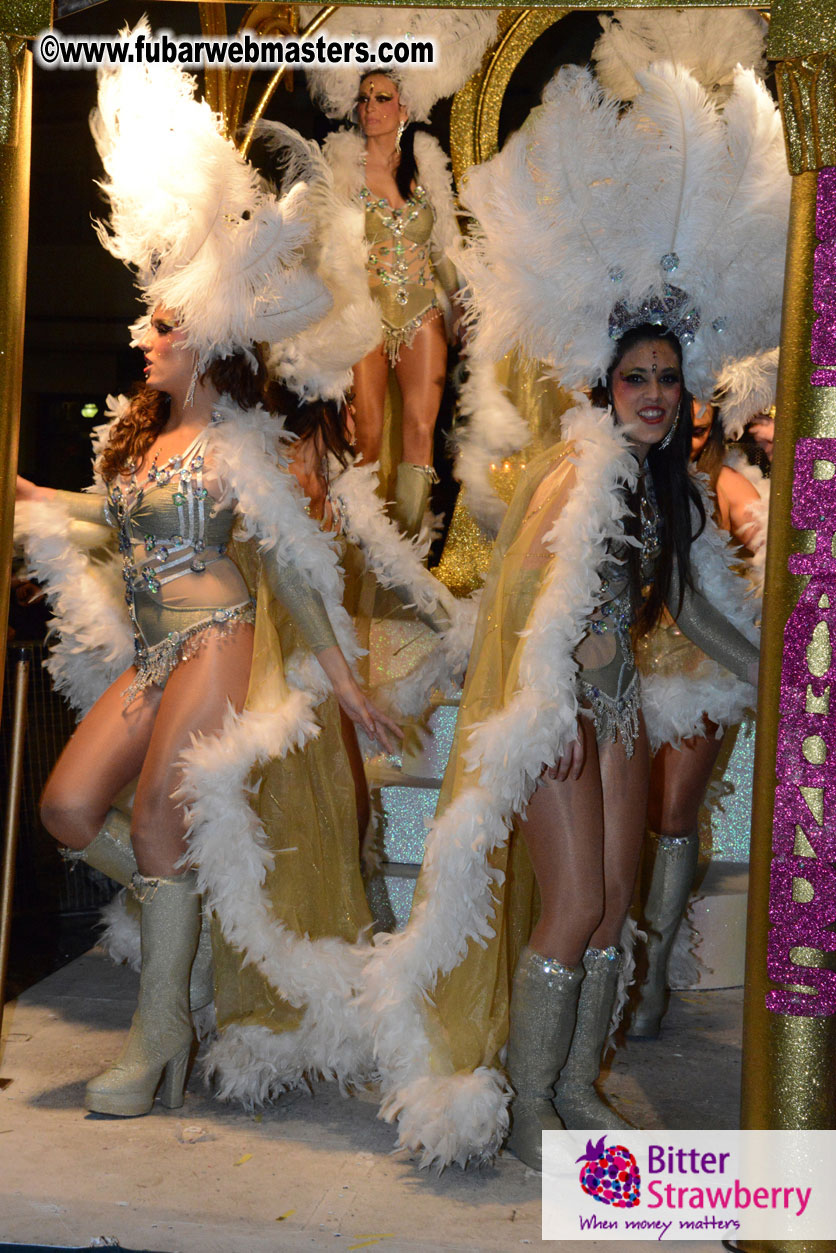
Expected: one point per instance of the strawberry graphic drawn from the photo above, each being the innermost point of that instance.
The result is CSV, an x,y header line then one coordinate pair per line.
x,y
610,1175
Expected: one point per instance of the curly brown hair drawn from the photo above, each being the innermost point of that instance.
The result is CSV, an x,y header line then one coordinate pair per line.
x,y
132,436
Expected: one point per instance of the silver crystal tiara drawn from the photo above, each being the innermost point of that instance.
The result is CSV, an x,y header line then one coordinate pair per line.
x,y
671,309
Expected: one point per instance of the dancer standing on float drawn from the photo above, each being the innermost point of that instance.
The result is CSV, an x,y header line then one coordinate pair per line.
x,y
398,179
689,700
629,284
191,456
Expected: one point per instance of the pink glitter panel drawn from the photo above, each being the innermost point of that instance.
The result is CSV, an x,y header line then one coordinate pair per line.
x,y
823,337
806,924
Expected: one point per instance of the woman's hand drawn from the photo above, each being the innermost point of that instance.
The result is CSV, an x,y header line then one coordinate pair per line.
x,y
570,764
24,490
354,701
374,722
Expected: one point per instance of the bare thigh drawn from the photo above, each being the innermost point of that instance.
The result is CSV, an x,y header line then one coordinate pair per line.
x,y
105,754
584,837
194,702
370,378
625,783
678,782
421,370
564,833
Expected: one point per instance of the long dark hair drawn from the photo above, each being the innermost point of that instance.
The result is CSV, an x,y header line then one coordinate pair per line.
x,y
407,172
675,490
322,420
713,453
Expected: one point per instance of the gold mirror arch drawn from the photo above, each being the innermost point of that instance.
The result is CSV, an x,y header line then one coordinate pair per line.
x,y
474,118
226,90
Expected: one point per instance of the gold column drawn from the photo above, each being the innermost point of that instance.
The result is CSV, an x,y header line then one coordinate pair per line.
x,y
15,134
20,20
789,1036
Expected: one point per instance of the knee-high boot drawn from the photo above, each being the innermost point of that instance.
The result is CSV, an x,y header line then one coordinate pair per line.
x,y
111,852
161,1034
674,866
575,1097
544,1001
412,495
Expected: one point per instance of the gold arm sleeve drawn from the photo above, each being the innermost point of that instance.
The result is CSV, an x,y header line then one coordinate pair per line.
x,y
437,619
84,506
304,604
712,632
446,273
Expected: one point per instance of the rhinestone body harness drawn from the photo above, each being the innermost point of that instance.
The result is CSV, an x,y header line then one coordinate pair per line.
x,y
168,529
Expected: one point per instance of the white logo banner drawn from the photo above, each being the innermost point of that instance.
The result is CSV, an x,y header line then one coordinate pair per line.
x,y
689,1185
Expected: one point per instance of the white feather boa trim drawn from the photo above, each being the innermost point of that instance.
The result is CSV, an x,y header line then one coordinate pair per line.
x,y
455,1118
86,599
322,975
493,429
396,562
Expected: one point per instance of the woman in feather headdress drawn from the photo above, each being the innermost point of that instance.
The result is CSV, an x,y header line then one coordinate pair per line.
x,y
190,470
687,699
646,234
397,177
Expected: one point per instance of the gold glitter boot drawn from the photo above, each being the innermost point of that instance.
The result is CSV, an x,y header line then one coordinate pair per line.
x,y
412,495
575,1097
161,1034
544,1001
111,852
674,867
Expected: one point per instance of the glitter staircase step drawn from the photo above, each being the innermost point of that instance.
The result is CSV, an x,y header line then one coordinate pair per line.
x,y
407,793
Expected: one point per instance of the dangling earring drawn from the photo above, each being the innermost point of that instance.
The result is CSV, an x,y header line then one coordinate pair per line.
x,y
401,128
193,383
669,437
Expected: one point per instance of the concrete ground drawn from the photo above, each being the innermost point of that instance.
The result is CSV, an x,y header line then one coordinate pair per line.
x,y
308,1173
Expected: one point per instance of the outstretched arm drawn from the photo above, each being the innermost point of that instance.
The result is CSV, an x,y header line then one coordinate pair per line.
x,y
81,506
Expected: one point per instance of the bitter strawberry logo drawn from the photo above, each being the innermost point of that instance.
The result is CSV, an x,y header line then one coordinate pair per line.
x,y
610,1175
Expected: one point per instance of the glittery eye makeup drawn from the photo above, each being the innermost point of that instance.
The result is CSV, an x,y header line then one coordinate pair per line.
x,y
635,378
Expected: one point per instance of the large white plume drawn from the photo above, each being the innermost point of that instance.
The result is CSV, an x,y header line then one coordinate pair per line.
x,y
461,38
746,388
617,208
318,362
205,235
709,43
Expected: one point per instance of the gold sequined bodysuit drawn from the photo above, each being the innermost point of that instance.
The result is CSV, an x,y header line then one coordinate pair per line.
x,y
179,582
400,265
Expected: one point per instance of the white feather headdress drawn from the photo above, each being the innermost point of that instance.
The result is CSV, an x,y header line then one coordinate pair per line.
x,y
591,220
709,43
747,387
318,362
204,233
461,39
